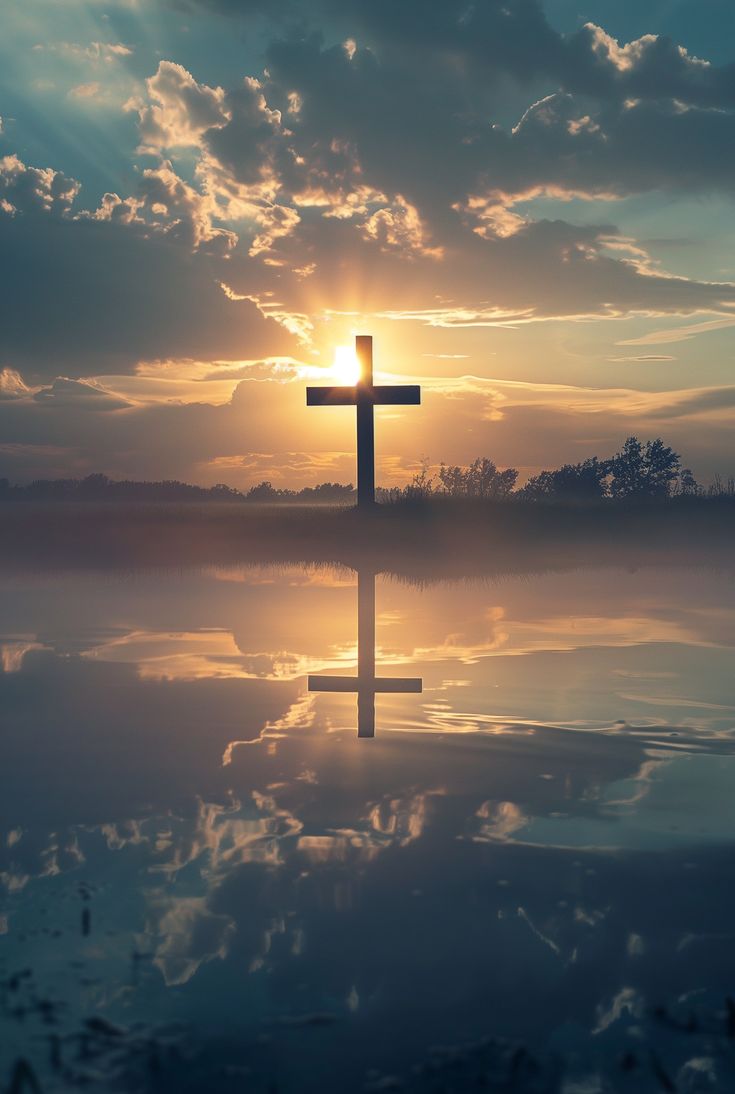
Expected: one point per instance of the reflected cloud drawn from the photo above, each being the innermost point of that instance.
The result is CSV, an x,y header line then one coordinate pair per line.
x,y
191,936
246,838
13,653
213,654
499,820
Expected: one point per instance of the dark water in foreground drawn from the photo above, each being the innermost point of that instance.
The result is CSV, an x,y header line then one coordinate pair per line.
x,y
526,879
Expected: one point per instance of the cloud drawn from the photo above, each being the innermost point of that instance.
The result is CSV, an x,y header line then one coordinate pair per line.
x,y
65,393
419,166
189,213
623,147
94,51
34,189
31,459
86,91
644,357
678,334
265,431
190,935
689,403
114,290
285,468
179,109
12,385
326,162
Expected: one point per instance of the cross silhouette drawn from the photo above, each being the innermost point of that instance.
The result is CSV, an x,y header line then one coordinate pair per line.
x,y
365,395
366,683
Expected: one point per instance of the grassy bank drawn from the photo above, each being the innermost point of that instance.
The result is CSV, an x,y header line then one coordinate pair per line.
x,y
441,536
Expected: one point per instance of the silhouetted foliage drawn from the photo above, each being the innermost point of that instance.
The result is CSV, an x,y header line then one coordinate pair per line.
x,y
264,491
328,491
99,487
720,489
481,479
687,486
641,470
324,492
581,482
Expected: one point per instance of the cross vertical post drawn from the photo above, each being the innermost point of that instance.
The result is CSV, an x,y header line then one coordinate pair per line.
x,y
365,654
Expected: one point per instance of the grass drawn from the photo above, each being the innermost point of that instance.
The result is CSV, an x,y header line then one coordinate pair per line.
x,y
440,536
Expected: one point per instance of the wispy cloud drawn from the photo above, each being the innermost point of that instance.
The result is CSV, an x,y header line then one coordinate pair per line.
x,y
678,334
644,357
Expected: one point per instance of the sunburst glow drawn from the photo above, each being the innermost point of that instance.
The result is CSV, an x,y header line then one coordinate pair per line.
x,y
346,367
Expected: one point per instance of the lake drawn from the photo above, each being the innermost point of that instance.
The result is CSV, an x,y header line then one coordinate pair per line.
x,y
524,881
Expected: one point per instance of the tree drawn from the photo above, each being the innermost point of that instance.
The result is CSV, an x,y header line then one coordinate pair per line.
x,y
422,484
481,479
222,492
327,491
264,491
719,489
582,482
644,471
687,485
93,487
539,487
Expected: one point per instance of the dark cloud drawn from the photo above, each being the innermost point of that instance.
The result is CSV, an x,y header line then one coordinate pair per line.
x,y
65,393
87,296
628,147
366,158
266,431
408,162
545,269
477,43
687,404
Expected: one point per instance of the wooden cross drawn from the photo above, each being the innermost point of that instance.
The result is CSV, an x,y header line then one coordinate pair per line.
x,y
366,683
365,395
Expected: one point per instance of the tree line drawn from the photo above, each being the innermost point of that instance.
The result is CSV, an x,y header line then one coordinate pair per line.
x,y
99,487
640,470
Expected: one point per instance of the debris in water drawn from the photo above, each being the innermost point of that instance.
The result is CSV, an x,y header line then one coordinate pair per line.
x,y
23,1079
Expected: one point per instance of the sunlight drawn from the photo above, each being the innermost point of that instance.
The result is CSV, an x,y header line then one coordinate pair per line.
x,y
346,367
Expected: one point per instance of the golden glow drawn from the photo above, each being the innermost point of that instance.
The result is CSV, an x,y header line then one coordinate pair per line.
x,y
346,367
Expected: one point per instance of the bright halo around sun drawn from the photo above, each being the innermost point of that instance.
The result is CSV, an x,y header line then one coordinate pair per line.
x,y
346,367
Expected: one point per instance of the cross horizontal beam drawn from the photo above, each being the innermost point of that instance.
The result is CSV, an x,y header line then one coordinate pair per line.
x,y
381,684
377,394
331,396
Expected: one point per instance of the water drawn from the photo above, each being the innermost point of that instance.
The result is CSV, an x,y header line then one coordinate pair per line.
x,y
209,882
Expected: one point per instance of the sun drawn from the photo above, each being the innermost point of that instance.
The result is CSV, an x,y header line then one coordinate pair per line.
x,y
346,367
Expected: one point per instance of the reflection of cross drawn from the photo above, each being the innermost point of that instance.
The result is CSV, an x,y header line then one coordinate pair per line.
x,y
366,683
365,395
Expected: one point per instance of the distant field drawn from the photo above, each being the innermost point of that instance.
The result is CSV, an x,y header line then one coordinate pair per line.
x,y
441,537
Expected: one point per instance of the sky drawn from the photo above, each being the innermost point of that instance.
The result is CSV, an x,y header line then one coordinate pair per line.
x,y
527,203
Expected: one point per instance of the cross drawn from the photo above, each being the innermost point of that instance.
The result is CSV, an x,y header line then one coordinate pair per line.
x,y
365,395
366,683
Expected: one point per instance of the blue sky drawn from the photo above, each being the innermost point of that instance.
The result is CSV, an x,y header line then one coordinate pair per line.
x,y
528,204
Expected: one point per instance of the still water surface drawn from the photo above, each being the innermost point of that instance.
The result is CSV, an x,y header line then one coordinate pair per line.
x,y
208,882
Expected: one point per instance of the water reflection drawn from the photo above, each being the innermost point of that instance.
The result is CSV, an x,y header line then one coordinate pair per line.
x,y
195,848
366,683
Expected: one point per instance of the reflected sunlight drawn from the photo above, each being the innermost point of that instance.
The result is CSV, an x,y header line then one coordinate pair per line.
x,y
346,367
